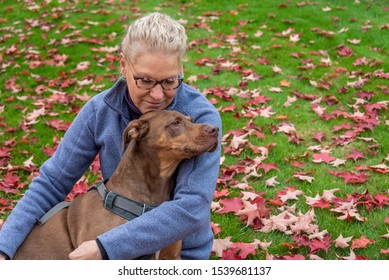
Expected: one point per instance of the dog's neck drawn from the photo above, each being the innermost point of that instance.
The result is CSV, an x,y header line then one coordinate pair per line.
x,y
142,177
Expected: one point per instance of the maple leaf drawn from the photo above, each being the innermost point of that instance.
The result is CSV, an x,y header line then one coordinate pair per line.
x,y
219,245
328,195
290,194
215,228
322,157
355,155
303,223
230,205
338,162
309,179
382,251
271,182
268,166
355,178
318,136
342,242
250,212
361,242
80,187
231,254
349,211
318,245
279,222
245,249
381,168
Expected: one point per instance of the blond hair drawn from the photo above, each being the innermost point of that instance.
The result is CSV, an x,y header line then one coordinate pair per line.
x,y
157,33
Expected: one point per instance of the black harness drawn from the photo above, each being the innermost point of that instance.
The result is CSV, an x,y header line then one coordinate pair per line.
x,y
120,205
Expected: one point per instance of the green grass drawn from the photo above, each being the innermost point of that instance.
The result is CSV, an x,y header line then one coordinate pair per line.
x,y
38,34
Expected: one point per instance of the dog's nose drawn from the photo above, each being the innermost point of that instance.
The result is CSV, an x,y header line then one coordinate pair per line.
x,y
212,130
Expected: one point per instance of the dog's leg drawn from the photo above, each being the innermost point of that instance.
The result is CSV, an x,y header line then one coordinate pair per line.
x,y
171,252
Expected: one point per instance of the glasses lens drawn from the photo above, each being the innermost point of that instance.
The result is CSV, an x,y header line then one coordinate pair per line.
x,y
170,83
145,83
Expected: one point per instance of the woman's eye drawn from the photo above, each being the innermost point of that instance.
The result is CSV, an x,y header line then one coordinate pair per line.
x,y
147,81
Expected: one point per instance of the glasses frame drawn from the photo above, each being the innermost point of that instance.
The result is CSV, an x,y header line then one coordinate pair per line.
x,y
137,78
179,78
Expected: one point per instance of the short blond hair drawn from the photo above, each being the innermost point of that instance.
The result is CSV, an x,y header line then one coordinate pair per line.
x,y
155,32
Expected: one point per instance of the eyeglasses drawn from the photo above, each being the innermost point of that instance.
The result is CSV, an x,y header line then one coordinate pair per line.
x,y
166,84
148,84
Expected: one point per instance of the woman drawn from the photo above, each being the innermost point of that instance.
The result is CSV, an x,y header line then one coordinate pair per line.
x,y
151,66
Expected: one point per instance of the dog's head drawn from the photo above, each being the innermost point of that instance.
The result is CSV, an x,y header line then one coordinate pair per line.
x,y
172,134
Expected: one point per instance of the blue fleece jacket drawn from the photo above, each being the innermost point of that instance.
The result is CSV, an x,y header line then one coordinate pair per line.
x,y
98,129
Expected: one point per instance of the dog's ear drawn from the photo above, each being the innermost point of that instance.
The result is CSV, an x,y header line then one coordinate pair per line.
x,y
136,130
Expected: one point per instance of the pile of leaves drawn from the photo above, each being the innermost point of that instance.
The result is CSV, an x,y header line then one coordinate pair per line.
x,y
302,89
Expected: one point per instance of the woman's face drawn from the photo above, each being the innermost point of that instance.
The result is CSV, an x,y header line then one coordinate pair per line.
x,y
150,66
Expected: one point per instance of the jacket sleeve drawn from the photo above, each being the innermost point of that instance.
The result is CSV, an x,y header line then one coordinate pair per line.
x,y
57,177
187,214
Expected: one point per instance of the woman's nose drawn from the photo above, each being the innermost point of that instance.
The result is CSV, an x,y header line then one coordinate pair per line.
x,y
157,92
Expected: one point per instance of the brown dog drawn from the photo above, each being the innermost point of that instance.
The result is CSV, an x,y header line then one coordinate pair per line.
x,y
158,141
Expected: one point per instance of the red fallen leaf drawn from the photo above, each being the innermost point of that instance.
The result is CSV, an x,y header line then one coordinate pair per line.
x,y
318,136
296,257
382,251
319,245
298,164
268,166
387,220
381,200
294,138
344,51
231,254
5,204
244,249
215,228
9,183
219,194
300,95
361,243
4,152
230,205
59,124
367,95
80,187
355,155
95,166
49,151
318,158
321,204
381,168
355,178
230,108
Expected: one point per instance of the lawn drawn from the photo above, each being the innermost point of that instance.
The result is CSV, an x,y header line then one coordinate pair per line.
x,y
302,88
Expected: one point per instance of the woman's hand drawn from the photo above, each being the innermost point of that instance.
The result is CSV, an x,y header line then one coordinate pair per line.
x,y
88,250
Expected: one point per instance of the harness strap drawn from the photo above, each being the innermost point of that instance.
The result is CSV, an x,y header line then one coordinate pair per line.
x,y
120,205
52,212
